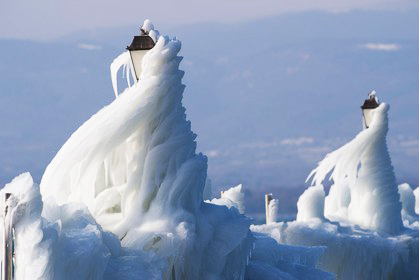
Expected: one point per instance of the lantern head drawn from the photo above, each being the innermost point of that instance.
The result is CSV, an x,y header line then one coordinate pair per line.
x,y
369,104
139,47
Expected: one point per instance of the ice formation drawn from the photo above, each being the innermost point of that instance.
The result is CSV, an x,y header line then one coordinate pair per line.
x,y
124,197
363,169
233,197
273,208
271,260
416,193
26,205
408,200
207,194
71,247
134,166
359,223
311,204
336,203
351,254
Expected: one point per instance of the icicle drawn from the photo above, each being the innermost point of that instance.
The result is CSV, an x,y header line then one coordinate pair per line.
x,y
123,60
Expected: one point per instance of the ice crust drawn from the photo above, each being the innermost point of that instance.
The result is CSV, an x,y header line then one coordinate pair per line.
x,y
351,253
272,259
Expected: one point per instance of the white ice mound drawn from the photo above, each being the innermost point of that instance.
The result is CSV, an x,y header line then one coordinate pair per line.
x,y
25,206
134,165
337,202
73,247
311,204
233,197
364,166
407,197
273,209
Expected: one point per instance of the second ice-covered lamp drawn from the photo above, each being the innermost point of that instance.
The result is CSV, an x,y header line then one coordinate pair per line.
x,y
370,104
138,48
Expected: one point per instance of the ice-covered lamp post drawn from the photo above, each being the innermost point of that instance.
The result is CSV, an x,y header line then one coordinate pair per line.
x,y
138,48
7,241
370,104
365,189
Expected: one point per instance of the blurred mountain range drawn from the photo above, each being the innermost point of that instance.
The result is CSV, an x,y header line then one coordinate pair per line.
x,y
268,98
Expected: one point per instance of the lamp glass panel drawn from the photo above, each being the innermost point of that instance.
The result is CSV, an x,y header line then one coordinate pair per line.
x,y
367,117
137,57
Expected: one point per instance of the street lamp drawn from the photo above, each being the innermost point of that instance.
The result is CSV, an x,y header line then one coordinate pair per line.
x,y
138,48
370,104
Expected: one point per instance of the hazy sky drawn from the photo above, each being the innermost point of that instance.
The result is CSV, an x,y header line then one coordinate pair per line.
x,y
44,19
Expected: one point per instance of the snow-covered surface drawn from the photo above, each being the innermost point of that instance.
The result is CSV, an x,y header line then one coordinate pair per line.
x,y
271,260
352,254
364,167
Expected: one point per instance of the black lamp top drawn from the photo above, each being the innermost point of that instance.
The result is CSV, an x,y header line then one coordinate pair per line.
x,y
142,42
371,102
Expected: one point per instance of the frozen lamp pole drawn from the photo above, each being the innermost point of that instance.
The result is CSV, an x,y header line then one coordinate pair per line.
x,y
138,48
370,104
7,241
